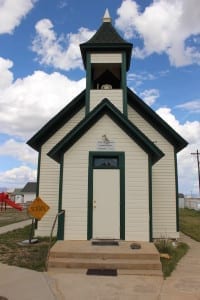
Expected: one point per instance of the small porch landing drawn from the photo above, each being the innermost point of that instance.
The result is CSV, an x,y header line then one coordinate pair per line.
x,y
79,256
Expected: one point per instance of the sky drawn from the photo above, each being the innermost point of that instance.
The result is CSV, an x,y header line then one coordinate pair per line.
x,y
41,71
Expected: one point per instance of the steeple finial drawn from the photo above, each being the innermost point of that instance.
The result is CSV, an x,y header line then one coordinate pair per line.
x,y
107,17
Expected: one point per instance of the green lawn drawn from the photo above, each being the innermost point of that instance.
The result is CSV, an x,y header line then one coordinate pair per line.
x,y
190,223
30,256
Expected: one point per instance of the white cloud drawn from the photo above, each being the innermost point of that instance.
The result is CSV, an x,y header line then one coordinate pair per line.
x,y
12,13
19,150
27,103
61,52
150,96
5,74
138,79
191,106
187,167
189,130
62,4
165,27
17,177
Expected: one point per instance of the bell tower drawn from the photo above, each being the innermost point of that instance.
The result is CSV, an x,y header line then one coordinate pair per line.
x,y
106,57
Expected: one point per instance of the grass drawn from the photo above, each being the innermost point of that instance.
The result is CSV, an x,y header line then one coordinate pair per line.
x,y
190,223
12,215
27,256
175,250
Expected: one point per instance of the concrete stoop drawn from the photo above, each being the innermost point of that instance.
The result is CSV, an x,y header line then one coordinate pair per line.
x,y
79,256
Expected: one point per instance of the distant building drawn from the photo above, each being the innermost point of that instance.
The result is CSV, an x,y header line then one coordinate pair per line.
x,y
181,200
192,203
29,191
17,196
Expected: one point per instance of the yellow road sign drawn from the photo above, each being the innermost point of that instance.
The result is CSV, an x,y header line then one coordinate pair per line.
x,y
38,208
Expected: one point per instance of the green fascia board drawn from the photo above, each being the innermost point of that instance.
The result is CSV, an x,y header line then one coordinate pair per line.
x,y
105,107
157,122
57,122
106,48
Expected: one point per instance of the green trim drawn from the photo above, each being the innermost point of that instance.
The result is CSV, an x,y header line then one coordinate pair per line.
x,y
106,107
157,122
122,195
38,173
61,218
121,167
176,185
150,202
88,83
61,226
38,182
123,84
90,197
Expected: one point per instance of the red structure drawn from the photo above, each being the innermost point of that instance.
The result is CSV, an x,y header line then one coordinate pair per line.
x,y
4,199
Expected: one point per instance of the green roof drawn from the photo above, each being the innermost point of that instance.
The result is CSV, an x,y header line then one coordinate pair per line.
x,y
105,107
106,39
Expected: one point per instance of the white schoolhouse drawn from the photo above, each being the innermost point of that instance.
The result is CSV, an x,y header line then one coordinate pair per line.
x,y
107,159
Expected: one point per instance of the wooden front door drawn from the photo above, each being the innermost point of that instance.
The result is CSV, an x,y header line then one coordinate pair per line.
x,y
106,203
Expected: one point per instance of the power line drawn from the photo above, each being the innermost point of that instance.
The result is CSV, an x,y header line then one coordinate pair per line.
x,y
198,166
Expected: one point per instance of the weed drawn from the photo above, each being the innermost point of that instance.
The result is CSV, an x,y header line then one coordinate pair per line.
x,y
165,245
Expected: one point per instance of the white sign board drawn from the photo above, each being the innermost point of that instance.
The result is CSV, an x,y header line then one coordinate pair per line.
x,y
105,146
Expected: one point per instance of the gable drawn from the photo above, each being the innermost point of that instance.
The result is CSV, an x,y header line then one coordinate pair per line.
x,y
105,107
155,121
57,122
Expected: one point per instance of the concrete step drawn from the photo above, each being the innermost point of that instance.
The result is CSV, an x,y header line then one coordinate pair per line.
x,y
84,249
145,272
104,255
74,256
97,263
141,272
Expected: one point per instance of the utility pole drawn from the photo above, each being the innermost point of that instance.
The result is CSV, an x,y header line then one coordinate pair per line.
x,y
198,166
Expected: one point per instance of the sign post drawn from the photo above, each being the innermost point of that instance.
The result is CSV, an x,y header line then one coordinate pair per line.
x,y
37,209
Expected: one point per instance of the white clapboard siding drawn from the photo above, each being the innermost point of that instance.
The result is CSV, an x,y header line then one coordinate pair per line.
x,y
75,182
49,175
163,180
99,58
114,95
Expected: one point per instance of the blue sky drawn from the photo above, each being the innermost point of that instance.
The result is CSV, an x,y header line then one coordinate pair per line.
x,y
41,70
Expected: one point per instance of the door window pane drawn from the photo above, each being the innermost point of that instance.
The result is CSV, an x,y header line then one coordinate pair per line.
x,y
105,162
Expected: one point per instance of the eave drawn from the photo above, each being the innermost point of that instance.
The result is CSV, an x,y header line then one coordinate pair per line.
x,y
105,107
